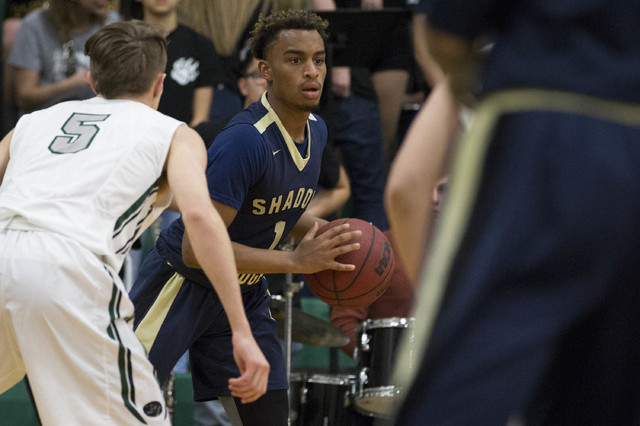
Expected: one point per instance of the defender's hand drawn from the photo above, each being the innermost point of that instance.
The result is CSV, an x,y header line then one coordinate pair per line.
x,y
254,369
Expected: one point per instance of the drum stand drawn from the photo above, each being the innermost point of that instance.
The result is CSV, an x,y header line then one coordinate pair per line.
x,y
290,289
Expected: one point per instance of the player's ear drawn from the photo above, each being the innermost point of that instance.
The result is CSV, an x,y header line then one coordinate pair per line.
x,y
91,82
158,85
265,69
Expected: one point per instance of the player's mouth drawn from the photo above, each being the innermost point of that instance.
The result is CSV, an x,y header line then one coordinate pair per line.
x,y
311,90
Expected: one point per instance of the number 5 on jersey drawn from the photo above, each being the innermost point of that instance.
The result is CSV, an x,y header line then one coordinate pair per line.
x,y
77,134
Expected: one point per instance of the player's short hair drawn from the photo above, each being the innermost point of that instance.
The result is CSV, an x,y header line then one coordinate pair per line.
x,y
267,28
126,57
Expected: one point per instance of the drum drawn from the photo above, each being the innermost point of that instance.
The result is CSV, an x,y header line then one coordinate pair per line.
x,y
377,342
325,400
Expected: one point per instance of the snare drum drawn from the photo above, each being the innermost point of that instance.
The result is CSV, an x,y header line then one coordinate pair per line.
x,y
377,342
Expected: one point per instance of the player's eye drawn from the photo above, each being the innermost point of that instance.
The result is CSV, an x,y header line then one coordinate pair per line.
x,y
319,61
294,60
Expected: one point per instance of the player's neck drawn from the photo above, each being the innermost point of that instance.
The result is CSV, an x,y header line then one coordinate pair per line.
x,y
145,98
295,127
165,22
293,119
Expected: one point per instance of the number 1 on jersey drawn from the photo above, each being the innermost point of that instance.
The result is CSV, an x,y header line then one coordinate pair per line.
x,y
279,230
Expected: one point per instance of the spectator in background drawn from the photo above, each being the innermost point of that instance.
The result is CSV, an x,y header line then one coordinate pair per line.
x,y
355,128
227,24
47,54
387,74
191,63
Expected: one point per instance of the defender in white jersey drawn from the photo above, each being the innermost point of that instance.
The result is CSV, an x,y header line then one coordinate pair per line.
x,y
78,183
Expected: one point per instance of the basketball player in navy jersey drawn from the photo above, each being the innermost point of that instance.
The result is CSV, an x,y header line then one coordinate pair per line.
x,y
528,308
262,173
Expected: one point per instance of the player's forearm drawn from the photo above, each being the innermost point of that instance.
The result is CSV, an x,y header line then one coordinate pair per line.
x,y
30,95
305,223
418,166
250,260
202,98
214,252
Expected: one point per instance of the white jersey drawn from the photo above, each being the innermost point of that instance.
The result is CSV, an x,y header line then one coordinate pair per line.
x,y
85,170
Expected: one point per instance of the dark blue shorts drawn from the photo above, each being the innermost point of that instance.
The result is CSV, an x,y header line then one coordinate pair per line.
x,y
174,315
530,305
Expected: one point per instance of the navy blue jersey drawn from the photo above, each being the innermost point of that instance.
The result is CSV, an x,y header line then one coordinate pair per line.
x,y
584,46
255,167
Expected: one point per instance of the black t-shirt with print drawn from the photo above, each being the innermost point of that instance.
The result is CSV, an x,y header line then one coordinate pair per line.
x,y
192,62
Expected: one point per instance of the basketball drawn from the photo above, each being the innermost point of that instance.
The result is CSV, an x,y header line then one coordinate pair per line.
x,y
374,267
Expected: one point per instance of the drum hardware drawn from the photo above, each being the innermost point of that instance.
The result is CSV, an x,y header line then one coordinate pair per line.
x,y
363,379
308,329
290,289
364,342
297,396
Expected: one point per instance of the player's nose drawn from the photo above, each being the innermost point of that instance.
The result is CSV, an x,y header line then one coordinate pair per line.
x,y
311,69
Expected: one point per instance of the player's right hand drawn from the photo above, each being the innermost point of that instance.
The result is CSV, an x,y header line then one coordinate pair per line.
x,y
254,369
317,253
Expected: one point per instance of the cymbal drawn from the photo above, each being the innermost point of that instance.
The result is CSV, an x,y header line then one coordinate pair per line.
x,y
306,328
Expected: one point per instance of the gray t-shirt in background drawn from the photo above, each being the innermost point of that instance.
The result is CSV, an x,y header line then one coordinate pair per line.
x,y
39,47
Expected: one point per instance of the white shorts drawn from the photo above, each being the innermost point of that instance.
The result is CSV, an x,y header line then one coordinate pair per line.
x,y
65,320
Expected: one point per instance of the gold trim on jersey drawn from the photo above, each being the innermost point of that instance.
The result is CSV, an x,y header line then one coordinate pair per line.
x,y
270,118
150,325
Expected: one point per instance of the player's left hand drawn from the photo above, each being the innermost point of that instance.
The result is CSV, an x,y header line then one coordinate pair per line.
x,y
254,369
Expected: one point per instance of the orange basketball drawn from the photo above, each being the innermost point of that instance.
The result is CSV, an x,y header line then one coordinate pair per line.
x,y
374,266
